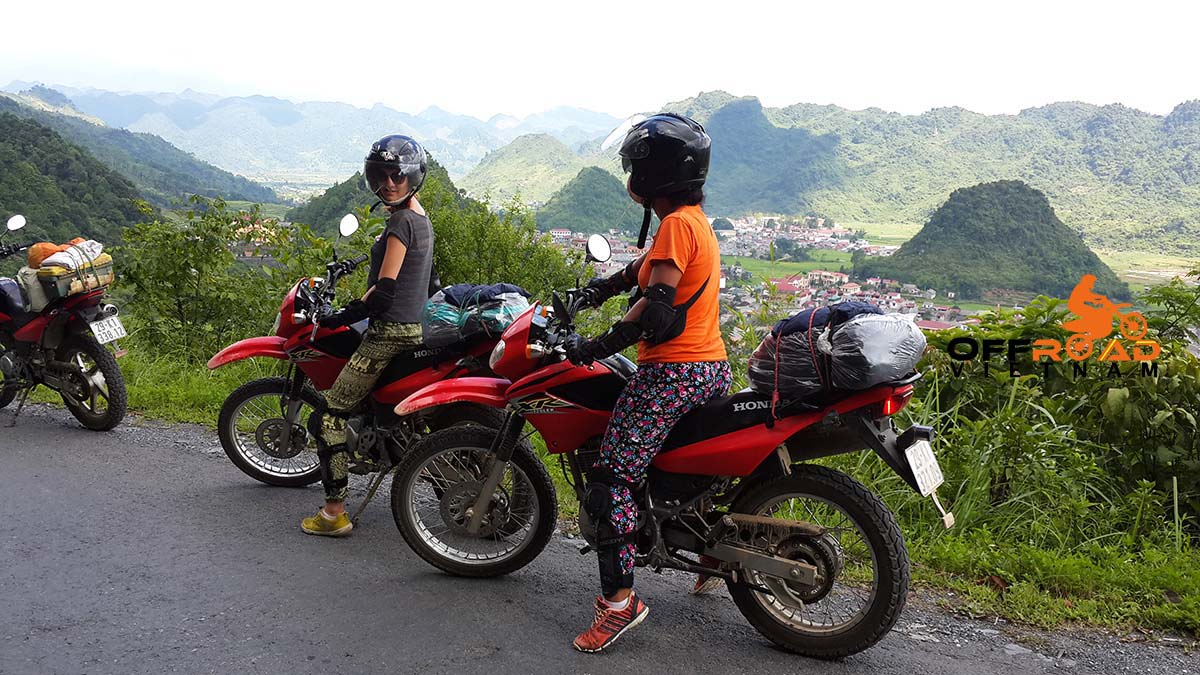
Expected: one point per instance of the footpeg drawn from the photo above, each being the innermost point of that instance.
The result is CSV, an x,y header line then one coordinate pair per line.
x,y
585,549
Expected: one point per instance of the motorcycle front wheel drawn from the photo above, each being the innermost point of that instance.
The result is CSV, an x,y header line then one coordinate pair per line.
x,y
251,426
95,388
435,492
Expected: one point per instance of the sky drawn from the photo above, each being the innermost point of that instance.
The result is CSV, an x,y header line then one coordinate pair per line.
x,y
524,56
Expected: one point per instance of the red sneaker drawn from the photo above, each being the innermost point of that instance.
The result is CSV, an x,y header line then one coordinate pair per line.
x,y
704,583
610,624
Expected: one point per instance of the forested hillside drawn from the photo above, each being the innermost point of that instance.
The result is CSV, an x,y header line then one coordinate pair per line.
x,y
163,174
533,166
593,201
1123,178
1001,235
323,212
59,187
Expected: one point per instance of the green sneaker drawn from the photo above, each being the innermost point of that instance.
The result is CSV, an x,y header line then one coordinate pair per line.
x,y
322,525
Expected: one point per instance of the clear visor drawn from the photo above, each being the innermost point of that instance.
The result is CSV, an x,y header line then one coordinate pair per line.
x,y
618,134
378,174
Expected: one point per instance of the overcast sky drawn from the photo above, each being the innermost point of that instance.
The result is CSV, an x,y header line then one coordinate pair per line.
x,y
619,57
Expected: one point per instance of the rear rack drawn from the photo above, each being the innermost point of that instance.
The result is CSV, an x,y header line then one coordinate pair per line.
x,y
911,378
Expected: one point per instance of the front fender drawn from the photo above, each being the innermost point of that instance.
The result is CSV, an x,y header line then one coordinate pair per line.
x,y
487,391
271,346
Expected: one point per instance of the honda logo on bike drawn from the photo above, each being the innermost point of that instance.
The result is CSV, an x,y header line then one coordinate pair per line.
x,y
751,405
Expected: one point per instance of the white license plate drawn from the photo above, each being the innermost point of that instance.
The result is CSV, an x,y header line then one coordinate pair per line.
x,y
924,466
107,330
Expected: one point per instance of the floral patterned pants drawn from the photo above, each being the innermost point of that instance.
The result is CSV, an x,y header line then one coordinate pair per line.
x,y
652,402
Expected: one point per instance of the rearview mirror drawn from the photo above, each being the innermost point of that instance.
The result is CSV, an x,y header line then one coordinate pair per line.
x,y
598,248
348,225
16,222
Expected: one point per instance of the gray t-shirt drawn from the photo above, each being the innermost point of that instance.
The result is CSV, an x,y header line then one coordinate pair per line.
x,y
412,283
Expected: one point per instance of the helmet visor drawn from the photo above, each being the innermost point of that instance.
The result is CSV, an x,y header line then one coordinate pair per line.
x,y
377,174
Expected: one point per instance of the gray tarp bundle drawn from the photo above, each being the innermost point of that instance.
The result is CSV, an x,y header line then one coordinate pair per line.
x,y
867,350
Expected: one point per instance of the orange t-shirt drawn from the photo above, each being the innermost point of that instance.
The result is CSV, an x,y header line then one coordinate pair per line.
x,y
686,239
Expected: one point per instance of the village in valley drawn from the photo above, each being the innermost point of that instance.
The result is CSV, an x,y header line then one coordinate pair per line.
x,y
767,238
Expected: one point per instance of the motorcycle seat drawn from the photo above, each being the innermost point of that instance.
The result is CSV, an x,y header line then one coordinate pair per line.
x,y
719,416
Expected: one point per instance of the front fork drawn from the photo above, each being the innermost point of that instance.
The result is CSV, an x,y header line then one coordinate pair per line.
x,y
292,404
499,455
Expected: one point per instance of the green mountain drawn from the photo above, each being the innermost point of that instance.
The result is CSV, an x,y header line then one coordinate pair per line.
x,y
323,212
164,174
533,166
1123,178
59,187
592,202
1000,235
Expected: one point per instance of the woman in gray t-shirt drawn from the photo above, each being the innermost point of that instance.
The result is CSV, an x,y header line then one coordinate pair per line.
x,y
398,285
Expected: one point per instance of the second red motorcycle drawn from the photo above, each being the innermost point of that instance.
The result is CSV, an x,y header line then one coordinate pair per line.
x,y
263,425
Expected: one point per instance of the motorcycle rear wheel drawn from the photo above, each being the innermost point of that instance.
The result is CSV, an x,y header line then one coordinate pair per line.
x,y
440,478
104,404
865,558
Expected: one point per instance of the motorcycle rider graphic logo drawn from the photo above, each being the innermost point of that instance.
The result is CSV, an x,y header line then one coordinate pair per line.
x,y
1096,313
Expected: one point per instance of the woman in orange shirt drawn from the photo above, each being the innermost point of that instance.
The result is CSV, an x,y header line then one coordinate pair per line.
x,y
681,358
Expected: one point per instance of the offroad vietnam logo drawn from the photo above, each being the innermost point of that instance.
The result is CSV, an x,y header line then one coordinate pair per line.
x,y
1092,335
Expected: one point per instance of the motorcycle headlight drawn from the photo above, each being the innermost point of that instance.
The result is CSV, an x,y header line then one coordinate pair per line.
x,y
497,354
275,328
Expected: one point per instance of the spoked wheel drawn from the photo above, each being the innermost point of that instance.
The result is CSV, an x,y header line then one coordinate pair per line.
x,y
251,427
437,487
861,561
94,388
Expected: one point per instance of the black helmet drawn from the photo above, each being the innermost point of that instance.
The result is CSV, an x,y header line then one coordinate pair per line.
x,y
664,154
392,153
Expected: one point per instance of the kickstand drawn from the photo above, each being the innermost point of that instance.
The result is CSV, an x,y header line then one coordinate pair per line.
x,y
20,405
375,483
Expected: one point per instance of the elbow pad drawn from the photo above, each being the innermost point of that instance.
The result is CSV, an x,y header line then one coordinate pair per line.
x,y
382,298
662,320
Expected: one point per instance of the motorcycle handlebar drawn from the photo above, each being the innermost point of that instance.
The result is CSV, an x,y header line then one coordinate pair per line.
x,y
12,249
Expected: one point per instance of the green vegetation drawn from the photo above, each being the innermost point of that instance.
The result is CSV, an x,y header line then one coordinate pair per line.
x,y
1123,178
592,202
1064,487
886,234
532,167
163,174
324,211
1001,235
820,260
61,189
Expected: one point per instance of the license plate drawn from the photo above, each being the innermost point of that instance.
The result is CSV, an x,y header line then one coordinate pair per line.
x,y
924,466
107,330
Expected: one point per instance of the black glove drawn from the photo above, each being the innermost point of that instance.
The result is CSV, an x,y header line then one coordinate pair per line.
x,y
583,352
382,298
353,312
600,289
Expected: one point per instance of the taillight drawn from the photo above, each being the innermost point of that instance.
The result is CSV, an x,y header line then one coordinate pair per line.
x,y
896,402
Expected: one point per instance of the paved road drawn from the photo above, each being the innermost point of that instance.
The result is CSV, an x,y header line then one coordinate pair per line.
x,y
145,551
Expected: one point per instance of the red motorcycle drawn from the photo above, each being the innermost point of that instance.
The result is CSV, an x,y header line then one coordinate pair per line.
x,y
61,346
814,560
263,425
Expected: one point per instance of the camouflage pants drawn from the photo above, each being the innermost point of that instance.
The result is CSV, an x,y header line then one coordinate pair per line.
x,y
383,341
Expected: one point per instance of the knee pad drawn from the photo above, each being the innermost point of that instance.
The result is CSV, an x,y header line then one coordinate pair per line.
x,y
597,502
